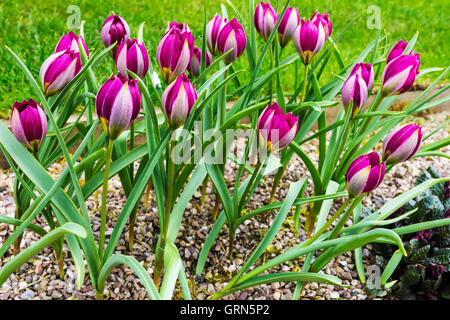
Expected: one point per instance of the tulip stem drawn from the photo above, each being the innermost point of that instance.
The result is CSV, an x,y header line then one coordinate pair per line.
x,y
375,108
132,131
204,186
223,101
346,130
305,85
326,225
159,259
344,134
271,79
104,196
114,67
221,120
348,157
276,181
249,185
231,244
170,182
147,194
344,218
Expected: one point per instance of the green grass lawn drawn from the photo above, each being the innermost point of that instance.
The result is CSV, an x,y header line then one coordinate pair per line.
x,y
32,29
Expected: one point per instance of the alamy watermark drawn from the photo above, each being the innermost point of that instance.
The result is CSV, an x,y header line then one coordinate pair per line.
x,y
373,277
74,19
374,20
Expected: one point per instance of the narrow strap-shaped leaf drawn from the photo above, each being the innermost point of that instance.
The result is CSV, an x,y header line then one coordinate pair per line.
x,y
286,277
135,196
209,241
176,215
138,269
220,185
318,188
184,284
294,190
16,222
323,259
45,241
172,266
391,266
50,189
349,242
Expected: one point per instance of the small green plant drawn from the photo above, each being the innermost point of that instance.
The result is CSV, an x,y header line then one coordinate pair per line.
x,y
425,272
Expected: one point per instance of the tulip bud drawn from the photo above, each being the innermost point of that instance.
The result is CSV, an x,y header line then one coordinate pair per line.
x,y
325,21
118,103
365,71
354,90
114,29
58,70
402,144
265,19
177,101
309,38
133,56
194,65
70,42
396,51
174,52
181,26
364,174
288,24
232,36
213,29
399,74
276,130
29,124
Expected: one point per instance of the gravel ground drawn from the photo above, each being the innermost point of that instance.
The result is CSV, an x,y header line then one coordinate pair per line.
x,y
38,278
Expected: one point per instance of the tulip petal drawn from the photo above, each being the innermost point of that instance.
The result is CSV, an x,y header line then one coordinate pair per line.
x,y
121,112
17,128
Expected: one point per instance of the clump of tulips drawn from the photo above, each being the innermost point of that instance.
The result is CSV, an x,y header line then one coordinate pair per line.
x,y
187,123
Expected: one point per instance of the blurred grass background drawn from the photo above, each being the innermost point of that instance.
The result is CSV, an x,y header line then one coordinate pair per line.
x,y
31,28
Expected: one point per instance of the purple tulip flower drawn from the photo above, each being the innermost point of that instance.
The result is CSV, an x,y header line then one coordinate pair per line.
x,y
213,29
325,21
175,52
133,56
396,51
29,124
364,174
276,130
288,24
399,74
114,29
118,103
365,71
194,65
402,144
309,38
58,70
181,26
178,100
232,36
354,91
70,42
265,18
